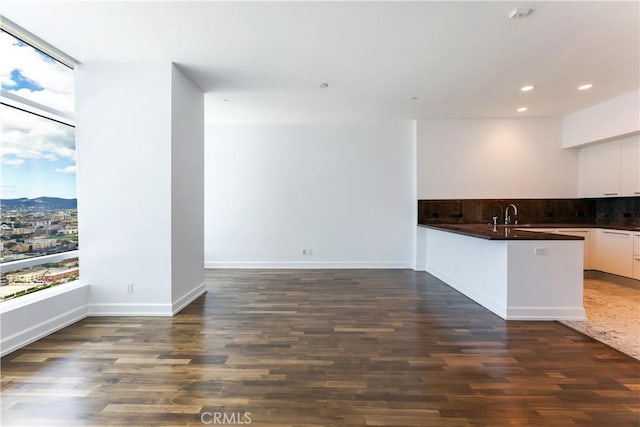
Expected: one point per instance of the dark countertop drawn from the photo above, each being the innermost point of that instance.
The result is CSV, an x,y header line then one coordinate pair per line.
x,y
499,232
569,225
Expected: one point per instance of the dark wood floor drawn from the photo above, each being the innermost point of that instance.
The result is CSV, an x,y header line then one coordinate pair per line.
x,y
321,348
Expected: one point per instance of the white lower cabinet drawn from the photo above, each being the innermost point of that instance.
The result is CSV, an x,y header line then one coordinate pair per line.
x,y
611,251
617,252
636,256
586,234
596,249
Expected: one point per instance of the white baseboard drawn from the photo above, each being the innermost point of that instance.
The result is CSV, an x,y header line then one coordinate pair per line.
x,y
59,296
310,265
42,329
188,298
546,313
131,309
513,313
488,303
142,309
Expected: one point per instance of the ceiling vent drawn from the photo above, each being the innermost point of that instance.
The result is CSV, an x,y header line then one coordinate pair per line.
x,y
520,13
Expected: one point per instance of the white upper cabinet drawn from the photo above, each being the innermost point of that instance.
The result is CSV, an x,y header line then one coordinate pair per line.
x,y
610,169
600,170
630,166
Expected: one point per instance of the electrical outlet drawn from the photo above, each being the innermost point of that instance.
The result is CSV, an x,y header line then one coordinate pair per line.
x,y
309,252
304,252
129,287
540,251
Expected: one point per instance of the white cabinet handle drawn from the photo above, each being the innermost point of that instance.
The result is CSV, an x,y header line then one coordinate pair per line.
x,y
617,233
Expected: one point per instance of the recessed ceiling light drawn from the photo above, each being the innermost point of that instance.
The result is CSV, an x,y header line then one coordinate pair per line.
x,y
520,13
225,100
522,109
527,88
585,86
323,85
414,98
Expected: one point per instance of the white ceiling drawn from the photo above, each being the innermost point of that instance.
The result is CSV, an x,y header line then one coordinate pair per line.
x,y
461,59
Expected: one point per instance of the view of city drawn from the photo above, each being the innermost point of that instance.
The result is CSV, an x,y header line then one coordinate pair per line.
x,y
27,280
38,207
37,227
32,228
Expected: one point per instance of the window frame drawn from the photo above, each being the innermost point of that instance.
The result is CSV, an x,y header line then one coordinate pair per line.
x,y
13,100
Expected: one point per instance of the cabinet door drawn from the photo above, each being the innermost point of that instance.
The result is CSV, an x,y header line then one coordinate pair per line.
x,y
596,249
630,166
601,170
617,252
586,233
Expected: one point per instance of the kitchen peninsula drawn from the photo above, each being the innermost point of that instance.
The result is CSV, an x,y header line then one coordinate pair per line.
x,y
517,274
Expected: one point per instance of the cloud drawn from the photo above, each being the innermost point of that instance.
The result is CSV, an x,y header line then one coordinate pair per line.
x,y
20,81
22,63
68,169
13,162
27,136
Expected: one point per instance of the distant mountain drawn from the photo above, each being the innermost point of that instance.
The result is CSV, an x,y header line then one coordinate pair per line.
x,y
38,204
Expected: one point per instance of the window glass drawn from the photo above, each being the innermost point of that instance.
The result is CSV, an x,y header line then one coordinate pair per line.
x,y
38,207
33,75
38,191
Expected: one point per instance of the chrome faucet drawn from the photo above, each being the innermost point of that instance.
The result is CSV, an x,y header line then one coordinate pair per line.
x,y
507,218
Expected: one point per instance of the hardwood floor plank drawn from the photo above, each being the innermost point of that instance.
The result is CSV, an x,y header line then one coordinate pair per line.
x,y
320,348
153,408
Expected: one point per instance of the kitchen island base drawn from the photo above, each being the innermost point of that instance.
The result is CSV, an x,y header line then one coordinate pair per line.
x,y
515,279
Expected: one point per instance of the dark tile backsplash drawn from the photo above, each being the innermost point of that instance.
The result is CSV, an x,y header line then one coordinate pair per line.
x,y
618,211
609,211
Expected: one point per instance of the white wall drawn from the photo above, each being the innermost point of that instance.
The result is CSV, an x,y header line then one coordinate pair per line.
x,y
346,191
610,119
140,201
187,189
421,249
28,318
124,199
494,158
140,139
476,267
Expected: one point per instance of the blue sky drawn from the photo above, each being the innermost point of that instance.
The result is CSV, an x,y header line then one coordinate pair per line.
x,y
21,82
38,156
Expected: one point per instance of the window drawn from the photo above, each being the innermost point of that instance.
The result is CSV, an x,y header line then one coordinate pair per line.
x,y
38,206
35,76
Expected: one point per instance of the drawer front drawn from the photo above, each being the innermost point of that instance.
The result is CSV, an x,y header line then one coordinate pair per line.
x,y
636,267
617,252
636,243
